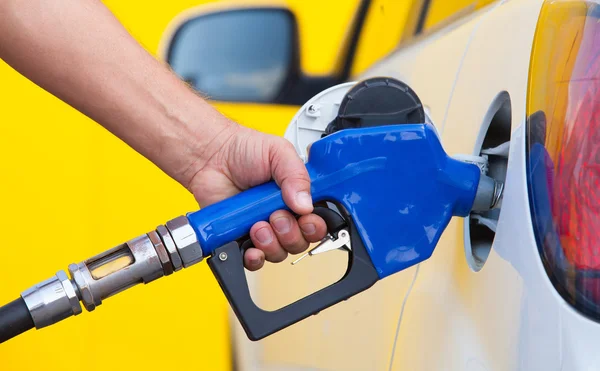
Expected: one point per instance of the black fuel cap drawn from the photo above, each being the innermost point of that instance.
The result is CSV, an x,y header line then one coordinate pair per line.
x,y
375,102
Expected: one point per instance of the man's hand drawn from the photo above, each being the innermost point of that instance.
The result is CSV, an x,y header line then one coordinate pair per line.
x,y
245,158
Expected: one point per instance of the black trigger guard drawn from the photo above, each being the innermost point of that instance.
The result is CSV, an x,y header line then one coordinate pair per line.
x,y
228,267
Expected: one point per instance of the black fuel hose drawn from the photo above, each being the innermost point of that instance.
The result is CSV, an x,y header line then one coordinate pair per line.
x,y
14,319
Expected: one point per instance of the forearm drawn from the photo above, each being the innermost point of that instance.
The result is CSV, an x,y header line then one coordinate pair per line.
x,y
78,51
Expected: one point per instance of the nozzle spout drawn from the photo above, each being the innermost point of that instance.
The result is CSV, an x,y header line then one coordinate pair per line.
x,y
489,194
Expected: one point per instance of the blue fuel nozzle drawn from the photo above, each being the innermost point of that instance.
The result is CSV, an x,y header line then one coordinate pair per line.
x,y
394,191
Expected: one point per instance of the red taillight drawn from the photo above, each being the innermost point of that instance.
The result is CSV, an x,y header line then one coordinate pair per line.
x,y
577,174
563,167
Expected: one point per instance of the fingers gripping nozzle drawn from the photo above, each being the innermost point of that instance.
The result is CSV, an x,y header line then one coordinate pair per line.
x,y
158,253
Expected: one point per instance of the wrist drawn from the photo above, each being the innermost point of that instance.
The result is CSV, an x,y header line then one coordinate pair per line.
x,y
204,134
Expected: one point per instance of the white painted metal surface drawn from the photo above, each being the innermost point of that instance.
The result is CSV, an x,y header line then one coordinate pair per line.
x,y
507,316
312,118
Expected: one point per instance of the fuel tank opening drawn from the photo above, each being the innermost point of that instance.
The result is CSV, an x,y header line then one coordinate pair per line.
x,y
493,144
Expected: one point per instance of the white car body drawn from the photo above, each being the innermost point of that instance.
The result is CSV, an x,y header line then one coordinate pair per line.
x,y
505,316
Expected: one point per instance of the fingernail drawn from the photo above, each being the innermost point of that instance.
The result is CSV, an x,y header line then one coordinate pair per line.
x,y
308,228
282,224
255,262
304,199
264,236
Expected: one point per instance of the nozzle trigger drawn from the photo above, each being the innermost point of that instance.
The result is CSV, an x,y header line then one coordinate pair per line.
x,y
342,242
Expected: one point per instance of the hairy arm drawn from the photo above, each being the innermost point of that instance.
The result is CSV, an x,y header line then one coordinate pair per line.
x,y
78,51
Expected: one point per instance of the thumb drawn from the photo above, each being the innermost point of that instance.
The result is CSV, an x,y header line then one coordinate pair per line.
x,y
291,175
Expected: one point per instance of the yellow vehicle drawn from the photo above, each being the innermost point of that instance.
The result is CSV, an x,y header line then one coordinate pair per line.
x,y
95,190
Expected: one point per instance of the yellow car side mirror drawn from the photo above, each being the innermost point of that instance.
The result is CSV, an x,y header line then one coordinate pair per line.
x,y
247,53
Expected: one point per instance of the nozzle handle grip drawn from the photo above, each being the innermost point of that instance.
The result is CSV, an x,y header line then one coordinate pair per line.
x,y
232,218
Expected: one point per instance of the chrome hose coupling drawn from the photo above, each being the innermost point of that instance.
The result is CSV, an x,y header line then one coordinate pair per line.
x,y
141,260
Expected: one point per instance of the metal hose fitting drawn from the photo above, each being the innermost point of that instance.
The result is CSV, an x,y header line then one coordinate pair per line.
x,y
143,259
